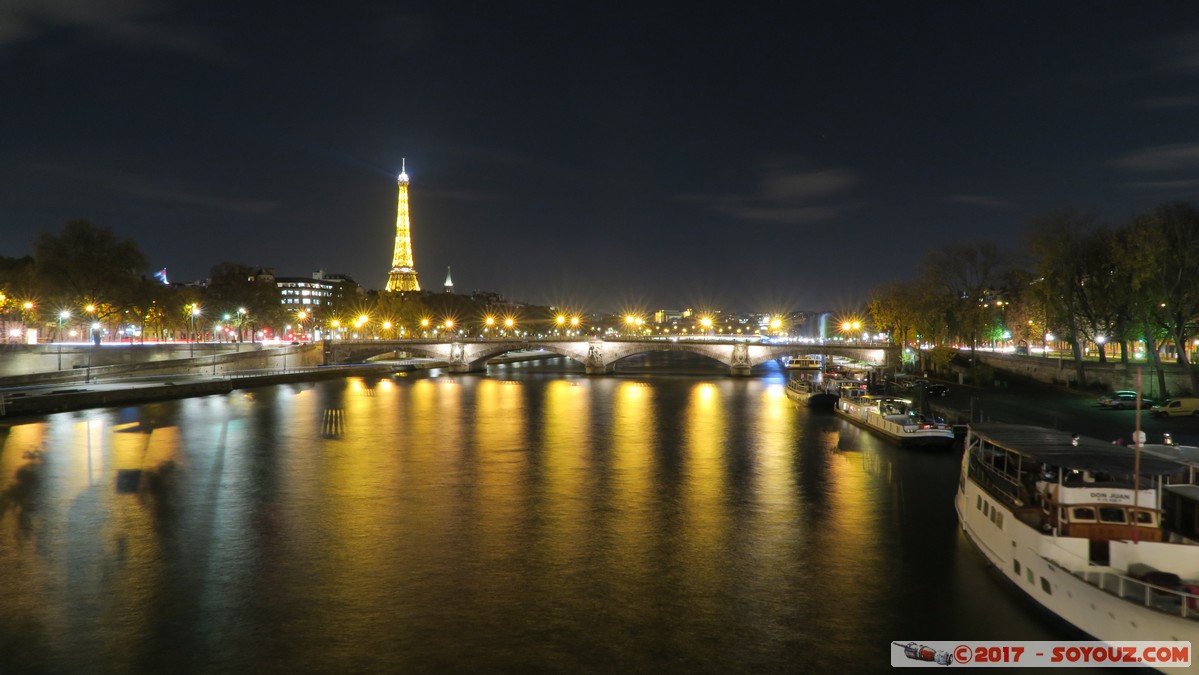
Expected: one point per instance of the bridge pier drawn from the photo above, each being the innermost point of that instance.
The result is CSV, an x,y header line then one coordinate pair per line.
x,y
458,362
740,365
595,363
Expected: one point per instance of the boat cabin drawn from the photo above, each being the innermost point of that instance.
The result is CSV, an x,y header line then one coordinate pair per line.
x,y
1182,511
1071,486
804,363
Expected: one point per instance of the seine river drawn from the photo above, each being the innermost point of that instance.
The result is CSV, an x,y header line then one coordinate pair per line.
x,y
530,520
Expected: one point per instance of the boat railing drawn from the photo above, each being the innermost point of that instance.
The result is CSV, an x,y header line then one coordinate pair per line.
x,y
1161,598
997,482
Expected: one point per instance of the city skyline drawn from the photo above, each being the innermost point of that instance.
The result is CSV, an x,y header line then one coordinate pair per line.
x,y
786,160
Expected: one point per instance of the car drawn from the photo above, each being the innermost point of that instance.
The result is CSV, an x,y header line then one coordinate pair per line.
x,y
1175,407
1122,399
937,390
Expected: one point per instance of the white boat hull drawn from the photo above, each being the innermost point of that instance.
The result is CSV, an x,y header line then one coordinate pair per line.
x,y
810,398
903,434
1044,568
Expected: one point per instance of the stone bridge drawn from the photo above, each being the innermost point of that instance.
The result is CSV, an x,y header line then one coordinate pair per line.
x,y
599,356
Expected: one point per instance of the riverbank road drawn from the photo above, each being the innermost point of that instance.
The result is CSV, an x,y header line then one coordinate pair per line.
x,y
40,399
1056,408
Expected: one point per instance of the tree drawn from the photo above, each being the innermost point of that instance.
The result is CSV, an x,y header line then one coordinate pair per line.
x,y
967,278
1162,246
233,287
1060,242
88,264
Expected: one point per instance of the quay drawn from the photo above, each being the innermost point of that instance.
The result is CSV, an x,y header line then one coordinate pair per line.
x,y
52,398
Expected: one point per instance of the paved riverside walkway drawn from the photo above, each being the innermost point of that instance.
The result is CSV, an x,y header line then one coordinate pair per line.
x,y
41,399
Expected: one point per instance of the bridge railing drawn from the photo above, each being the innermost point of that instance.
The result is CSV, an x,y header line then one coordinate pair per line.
x,y
773,342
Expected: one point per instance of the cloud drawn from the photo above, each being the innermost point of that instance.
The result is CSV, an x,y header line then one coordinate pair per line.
x,y
1162,158
151,189
785,195
476,196
1166,102
1179,53
132,23
1184,185
982,200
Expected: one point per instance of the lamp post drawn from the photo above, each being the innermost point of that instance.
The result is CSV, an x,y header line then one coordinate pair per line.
x,y
58,336
91,310
191,344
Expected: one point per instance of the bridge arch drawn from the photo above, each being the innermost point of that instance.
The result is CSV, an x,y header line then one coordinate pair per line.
x,y
600,356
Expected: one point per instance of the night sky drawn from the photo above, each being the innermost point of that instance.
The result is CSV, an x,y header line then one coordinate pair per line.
x,y
761,156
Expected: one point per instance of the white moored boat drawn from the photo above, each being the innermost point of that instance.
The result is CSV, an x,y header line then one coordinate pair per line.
x,y
1061,518
811,393
804,363
895,418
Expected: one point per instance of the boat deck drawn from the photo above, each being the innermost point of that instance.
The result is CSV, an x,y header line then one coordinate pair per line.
x,y
1169,600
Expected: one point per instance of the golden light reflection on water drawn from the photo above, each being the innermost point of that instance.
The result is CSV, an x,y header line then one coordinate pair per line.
x,y
703,494
502,460
566,425
100,533
670,510
633,446
774,435
20,441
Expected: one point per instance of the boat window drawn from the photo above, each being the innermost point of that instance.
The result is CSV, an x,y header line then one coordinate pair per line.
x,y
986,508
994,514
1111,514
1145,517
999,520
1016,565
979,504
1082,514
1045,586
1029,574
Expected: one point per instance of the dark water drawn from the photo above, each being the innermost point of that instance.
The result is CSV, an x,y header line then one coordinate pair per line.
x,y
533,520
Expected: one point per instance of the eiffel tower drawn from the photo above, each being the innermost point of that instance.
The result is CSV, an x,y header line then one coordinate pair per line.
x,y
403,273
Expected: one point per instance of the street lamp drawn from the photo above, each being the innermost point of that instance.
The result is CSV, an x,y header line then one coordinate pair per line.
x,y
191,344
58,336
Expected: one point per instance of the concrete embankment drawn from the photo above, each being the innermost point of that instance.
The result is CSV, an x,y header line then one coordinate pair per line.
x,y
41,400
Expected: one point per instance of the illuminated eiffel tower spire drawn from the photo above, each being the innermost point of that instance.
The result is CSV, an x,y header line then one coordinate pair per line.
x,y
403,272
